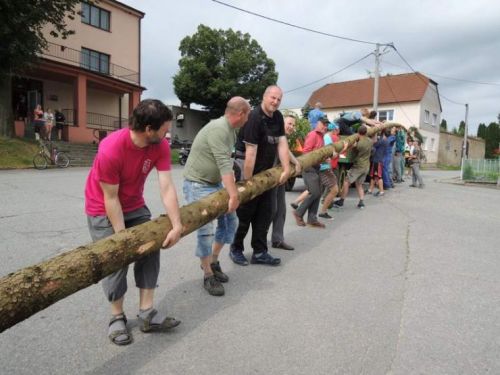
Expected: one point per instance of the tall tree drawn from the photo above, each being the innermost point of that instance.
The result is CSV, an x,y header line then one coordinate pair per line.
x,y
443,126
492,140
218,64
461,128
21,31
481,131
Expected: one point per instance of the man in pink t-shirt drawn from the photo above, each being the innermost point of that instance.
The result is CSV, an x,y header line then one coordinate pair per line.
x,y
114,201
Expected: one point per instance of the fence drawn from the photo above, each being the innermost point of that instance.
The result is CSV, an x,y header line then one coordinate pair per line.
x,y
481,170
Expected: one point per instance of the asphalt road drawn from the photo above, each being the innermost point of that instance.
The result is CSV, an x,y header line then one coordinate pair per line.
x,y
410,285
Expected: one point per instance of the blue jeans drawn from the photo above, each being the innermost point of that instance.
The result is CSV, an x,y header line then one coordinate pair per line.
x,y
226,224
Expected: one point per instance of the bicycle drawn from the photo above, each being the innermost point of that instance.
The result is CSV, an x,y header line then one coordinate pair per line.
x,y
45,156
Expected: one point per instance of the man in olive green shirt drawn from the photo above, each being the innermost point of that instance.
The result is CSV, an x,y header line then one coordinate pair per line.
x,y
360,167
208,168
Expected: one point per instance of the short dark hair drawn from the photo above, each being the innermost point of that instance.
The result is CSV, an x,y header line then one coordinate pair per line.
x,y
372,115
150,112
362,130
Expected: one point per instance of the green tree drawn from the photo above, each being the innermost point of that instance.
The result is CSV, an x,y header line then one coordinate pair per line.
x,y
218,64
21,31
443,126
481,131
492,140
461,128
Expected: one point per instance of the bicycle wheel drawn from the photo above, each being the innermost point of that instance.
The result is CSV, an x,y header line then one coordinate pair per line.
x,y
40,161
62,160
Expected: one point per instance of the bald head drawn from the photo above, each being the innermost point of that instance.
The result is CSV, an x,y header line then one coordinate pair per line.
x,y
237,104
271,100
237,111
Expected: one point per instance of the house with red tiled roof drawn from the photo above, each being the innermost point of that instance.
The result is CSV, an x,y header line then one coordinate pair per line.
x,y
410,99
93,76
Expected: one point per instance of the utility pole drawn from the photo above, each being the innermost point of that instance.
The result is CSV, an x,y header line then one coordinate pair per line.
x,y
376,80
464,147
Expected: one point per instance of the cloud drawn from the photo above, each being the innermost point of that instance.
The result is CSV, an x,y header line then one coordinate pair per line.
x,y
447,38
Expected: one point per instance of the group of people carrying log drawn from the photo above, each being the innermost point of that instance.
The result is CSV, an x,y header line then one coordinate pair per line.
x,y
114,193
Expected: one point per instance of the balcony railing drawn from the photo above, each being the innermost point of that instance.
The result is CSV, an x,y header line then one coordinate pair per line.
x,y
96,64
97,121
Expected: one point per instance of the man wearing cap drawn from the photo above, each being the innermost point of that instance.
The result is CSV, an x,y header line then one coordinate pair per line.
x,y
315,114
327,177
314,141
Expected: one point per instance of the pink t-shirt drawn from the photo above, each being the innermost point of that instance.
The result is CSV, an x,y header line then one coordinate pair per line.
x,y
120,162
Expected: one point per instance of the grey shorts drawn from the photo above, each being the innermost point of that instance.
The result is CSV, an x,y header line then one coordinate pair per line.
x,y
146,269
357,175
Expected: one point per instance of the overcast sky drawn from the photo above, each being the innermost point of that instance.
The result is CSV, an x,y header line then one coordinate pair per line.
x,y
455,39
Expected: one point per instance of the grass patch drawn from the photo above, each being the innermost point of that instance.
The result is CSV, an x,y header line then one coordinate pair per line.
x,y
17,153
445,167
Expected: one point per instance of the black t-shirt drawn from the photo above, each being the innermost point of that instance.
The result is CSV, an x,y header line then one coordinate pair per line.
x,y
263,131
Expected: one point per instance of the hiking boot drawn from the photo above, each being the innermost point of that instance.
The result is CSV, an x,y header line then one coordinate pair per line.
x,y
361,205
298,219
238,258
219,275
265,258
338,203
316,224
213,286
325,216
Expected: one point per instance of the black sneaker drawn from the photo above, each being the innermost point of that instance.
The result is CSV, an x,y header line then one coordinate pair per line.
x,y
361,205
265,258
325,216
338,203
219,275
213,286
238,258
294,205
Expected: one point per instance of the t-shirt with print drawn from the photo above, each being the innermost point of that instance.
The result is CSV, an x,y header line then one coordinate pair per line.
x,y
263,131
120,162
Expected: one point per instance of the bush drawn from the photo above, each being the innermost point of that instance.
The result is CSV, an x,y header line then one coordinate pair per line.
x,y
468,173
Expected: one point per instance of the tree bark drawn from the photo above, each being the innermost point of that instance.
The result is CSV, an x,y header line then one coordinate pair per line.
x,y
31,289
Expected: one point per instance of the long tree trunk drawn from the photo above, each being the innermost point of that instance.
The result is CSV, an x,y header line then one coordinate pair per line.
x,y
6,116
31,289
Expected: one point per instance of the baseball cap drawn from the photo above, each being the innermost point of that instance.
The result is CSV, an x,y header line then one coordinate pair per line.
x,y
332,126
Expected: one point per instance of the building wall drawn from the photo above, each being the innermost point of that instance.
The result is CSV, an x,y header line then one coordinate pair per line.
x,y
193,121
122,42
450,149
430,102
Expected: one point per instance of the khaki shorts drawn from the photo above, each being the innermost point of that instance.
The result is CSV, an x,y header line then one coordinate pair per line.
x,y
328,178
357,175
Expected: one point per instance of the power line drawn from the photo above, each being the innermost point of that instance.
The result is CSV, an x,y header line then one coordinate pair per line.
x,y
296,26
419,77
451,78
398,102
330,75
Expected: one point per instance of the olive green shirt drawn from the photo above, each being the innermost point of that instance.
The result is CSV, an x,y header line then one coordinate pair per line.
x,y
210,155
361,153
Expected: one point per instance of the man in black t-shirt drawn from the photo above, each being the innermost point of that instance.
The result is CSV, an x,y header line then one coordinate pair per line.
x,y
261,143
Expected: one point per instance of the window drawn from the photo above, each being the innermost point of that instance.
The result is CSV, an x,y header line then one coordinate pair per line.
x,y
387,115
434,119
95,61
94,16
427,116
